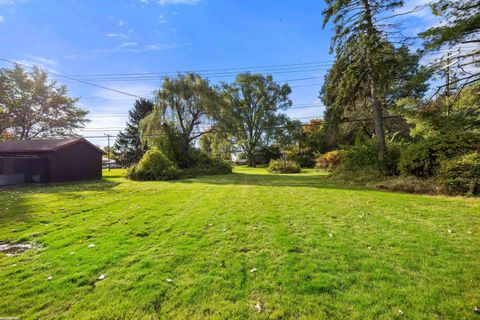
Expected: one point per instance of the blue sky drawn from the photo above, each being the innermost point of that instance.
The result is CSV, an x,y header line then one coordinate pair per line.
x,y
81,38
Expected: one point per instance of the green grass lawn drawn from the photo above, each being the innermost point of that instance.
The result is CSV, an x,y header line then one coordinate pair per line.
x,y
320,250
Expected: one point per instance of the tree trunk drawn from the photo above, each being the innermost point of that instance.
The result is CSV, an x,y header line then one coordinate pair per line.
x,y
378,122
251,159
374,82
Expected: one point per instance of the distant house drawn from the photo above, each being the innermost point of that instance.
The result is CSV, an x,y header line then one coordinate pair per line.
x,y
46,161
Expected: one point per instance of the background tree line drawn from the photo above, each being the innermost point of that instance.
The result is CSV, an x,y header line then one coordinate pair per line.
x,y
386,113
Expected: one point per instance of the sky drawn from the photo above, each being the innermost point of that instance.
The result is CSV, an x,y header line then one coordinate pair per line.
x,y
86,39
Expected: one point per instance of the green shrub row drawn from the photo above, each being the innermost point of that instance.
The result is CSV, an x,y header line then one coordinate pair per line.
x,y
423,159
448,162
155,165
461,175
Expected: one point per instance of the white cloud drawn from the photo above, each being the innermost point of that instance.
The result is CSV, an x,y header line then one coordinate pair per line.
x,y
108,109
135,47
115,35
43,60
121,23
128,44
167,2
162,19
2,19
43,63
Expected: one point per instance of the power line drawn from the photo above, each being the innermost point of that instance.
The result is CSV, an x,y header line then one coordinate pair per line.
x,y
305,64
294,107
77,80
241,130
227,71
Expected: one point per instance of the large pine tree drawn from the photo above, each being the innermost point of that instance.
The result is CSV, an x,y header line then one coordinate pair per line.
x,y
129,147
359,41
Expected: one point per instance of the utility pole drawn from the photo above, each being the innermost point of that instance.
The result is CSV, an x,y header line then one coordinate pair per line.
x,y
108,151
447,84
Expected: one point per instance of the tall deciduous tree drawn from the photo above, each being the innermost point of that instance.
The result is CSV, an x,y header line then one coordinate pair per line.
x,y
129,146
250,110
32,106
184,103
358,40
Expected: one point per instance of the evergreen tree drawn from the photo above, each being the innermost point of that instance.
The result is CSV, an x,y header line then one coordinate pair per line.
x,y
358,42
461,23
129,147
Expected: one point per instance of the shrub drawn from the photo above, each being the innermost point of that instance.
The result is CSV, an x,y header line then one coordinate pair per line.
x,y
423,159
281,166
154,165
328,161
461,175
362,156
305,160
302,156
203,164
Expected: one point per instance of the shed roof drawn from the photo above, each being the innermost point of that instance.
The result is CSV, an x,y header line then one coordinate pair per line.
x,y
41,145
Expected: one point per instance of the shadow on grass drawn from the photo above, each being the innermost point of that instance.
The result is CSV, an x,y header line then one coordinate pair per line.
x,y
274,180
18,202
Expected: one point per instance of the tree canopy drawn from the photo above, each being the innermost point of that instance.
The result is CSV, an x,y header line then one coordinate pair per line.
x,y
250,111
129,146
32,106
183,104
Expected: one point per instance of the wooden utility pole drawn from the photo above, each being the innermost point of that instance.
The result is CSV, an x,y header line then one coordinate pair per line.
x,y
447,84
108,151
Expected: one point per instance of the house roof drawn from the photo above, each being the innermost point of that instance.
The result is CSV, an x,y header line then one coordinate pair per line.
x,y
41,145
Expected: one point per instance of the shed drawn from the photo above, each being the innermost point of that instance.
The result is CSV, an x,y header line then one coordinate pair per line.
x,y
48,161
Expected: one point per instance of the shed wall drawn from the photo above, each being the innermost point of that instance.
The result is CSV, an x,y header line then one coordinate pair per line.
x,y
78,161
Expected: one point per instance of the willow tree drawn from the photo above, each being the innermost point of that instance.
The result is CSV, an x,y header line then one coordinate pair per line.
x,y
359,41
183,108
